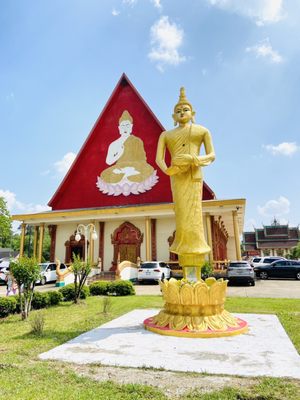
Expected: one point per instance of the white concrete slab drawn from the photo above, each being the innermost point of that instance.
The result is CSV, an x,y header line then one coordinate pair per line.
x,y
265,351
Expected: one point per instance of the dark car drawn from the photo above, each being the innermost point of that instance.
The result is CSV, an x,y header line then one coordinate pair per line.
x,y
279,269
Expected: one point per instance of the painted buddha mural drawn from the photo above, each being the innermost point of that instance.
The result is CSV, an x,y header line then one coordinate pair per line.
x,y
129,171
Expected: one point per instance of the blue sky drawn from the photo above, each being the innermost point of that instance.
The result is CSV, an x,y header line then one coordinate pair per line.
x,y
238,60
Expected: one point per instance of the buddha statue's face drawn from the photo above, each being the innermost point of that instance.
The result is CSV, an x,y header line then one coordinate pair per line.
x,y
125,128
183,114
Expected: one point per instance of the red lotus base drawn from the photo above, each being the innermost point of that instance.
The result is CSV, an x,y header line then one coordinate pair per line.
x,y
241,328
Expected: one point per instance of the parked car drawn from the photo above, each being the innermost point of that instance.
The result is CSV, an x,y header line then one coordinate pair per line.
x,y
3,273
240,272
48,272
279,269
153,271
4,268
261,261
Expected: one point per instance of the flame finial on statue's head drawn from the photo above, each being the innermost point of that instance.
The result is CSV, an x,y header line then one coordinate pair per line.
x,y
183,99
125,117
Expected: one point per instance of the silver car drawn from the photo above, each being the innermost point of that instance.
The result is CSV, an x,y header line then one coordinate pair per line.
x,y
153,271
240,272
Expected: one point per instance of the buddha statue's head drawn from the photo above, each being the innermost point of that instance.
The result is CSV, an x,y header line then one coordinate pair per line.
x,y
125,124
183,110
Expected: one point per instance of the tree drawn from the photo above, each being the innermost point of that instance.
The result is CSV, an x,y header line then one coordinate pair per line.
x,y
294,253
25,271
5,224
15,241
81,271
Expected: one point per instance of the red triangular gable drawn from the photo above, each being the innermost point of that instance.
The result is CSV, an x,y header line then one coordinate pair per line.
x,y
79,189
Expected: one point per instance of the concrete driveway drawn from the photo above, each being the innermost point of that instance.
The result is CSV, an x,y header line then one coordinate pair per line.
x,y
263,288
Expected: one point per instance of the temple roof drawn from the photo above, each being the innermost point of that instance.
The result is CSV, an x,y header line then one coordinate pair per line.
x,y
272,236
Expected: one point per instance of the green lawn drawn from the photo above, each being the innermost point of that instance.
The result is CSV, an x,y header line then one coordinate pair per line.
x,y
24,376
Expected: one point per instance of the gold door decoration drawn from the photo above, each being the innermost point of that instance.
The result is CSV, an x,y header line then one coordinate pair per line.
x,y
126,239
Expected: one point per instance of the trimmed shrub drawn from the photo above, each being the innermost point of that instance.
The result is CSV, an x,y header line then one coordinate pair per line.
x,y
55,297
7,306
100,288
122,288
68,292
40,300
207,270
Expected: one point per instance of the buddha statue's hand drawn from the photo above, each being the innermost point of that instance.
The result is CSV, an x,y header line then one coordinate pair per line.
x,y
202,161
182,159
173,170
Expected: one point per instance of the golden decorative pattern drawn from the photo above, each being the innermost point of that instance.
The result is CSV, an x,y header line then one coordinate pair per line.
x,y
197,307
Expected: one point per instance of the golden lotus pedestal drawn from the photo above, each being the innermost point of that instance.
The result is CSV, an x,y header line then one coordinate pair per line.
x,y
195,310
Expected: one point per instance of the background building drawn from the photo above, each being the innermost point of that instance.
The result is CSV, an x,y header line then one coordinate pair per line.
x,y
271,240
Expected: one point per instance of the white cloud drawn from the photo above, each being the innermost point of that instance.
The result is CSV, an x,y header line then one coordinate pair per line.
x,y
11,200
10,97
265,50
115,12
275,208
156,3
16,206
284,149
261,11
166,38
130,2
62,166
46,172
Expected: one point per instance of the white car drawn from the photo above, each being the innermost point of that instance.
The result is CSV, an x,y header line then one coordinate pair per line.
x,y
240,272
4,264
153,271
48,272
262,261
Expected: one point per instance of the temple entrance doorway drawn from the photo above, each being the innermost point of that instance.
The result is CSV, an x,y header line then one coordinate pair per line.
x,y
75,248
126,239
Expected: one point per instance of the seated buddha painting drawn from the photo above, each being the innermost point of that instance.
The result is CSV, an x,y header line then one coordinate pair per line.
x,y
129,172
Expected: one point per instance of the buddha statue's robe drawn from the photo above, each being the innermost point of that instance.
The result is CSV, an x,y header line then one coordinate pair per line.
x,y
132,164
186,184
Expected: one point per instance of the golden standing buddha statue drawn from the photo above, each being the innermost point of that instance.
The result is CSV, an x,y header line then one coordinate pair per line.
x,y
193,307
184,143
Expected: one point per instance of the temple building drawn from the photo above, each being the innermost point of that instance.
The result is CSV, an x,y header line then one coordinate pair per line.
x,y
115,185
271,240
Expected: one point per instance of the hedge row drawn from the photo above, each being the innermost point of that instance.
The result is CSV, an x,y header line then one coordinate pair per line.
x,y
11,304
116,288
99,288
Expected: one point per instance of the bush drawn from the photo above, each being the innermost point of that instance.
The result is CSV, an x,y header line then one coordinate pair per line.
x,y
207,270
7,306
100,288
68,292
122,288
40,300
55,297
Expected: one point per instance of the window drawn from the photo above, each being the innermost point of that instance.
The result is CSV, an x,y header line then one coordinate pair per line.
x,y
269,260
256,260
